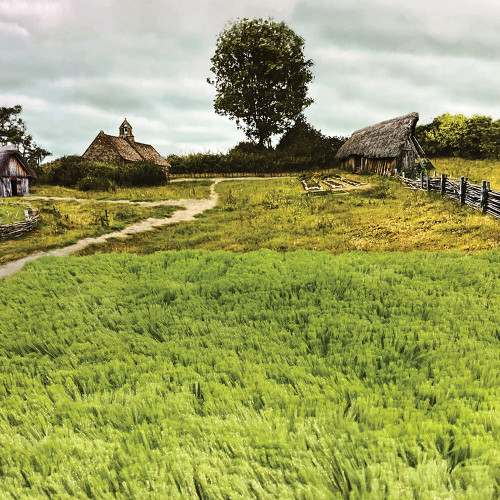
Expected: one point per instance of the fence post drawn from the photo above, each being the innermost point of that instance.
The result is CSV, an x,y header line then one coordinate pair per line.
x,y
428,182
484,195
443,184
462,190
422,180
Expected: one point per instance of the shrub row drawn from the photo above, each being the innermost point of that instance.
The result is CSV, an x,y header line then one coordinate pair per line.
x,y
75,171
200,163
301,148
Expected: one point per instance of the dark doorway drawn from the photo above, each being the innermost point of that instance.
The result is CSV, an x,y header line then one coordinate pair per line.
x,y
357,163
13,183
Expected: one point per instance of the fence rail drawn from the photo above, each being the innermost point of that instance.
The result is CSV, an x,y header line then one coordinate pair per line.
x,y
19,228
479,197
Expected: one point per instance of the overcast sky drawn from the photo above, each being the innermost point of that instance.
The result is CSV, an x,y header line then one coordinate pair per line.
x,y
81,66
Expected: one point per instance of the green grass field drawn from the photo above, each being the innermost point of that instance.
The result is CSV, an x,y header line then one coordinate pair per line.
x,y
277,214
63,223
474,170
172,191
245,363
11,212
202,374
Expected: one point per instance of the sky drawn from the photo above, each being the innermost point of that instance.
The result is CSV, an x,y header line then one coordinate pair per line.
x,y
78,67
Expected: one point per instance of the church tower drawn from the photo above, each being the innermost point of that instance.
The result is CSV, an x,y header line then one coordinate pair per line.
x,y
126,131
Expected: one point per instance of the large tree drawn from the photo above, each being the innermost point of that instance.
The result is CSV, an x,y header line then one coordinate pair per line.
x,y
456,135
261,77
13,131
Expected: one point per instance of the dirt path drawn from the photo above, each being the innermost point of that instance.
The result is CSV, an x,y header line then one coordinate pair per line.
x,y
191,208
181,201
352,188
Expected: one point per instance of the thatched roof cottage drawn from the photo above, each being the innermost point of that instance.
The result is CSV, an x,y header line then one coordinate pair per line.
x,y
15,172
123,149
384,147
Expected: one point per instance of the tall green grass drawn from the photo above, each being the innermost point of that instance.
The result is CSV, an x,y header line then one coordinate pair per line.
x,y
11,212
200,374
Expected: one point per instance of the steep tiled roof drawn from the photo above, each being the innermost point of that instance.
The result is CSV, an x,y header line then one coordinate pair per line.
x,y
148,152
124,149
109,148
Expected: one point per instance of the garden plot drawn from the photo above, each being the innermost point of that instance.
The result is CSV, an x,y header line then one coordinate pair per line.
x,y
312,185
339,182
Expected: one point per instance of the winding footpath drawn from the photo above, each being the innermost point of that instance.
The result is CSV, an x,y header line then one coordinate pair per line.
x,y
191,208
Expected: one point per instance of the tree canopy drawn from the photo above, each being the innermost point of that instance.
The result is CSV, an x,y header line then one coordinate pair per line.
x,y
13,131
456,135
261,77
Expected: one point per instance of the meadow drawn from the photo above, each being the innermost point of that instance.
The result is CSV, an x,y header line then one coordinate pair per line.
x,y
63,223
475,170
11,212
278,215
199,374
173,191
246,363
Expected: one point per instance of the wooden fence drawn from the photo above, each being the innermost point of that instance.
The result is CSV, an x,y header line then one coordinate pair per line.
x,y
19,228
205,175
478,197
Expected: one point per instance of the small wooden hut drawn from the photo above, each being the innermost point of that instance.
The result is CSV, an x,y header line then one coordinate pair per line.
x,y
15,173
383,148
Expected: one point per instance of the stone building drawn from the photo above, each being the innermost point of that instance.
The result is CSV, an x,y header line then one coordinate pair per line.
x,y
123,149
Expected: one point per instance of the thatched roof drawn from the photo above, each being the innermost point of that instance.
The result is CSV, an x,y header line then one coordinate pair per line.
x,y
105,146
382,140
8,152
148,152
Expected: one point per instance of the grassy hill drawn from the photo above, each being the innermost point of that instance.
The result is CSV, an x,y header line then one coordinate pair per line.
x,y
200,374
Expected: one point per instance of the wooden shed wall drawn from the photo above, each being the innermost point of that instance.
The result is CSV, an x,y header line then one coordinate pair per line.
x,y
379,166
14,172
23,188
5,187
15,169
406,160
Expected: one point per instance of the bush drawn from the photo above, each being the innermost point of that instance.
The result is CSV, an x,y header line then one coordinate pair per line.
x,y
92,183
269,161
75,171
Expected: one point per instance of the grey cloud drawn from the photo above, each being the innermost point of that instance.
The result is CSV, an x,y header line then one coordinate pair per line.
x,y
79,67
401,27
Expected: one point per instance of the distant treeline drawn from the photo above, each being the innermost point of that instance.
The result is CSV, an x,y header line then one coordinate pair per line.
x,y
77,172
474,138
301,148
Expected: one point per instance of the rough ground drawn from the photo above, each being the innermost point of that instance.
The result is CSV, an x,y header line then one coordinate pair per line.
x,y
191,208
